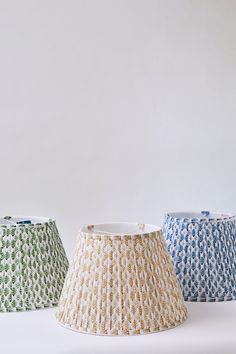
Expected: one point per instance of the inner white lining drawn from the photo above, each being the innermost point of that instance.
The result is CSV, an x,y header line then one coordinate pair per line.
x,y
15,219
120,229
200,215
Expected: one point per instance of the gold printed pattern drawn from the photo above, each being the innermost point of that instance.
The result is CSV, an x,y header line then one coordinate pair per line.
x,y
121,285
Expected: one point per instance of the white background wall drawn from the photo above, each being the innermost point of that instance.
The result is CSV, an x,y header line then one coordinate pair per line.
x,y
116,110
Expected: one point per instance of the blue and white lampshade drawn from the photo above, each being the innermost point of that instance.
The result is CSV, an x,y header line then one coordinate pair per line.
x,y
203,250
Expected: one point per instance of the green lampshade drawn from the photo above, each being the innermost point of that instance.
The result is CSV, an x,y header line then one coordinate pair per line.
x,y
33,263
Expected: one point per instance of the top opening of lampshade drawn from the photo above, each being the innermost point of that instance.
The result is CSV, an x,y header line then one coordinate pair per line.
x,y
22,220
120,229
201,215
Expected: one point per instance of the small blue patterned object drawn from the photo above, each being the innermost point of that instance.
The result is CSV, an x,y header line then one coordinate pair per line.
x,y
203,250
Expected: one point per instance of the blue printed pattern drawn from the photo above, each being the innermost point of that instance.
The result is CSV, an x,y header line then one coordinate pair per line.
x,y
204,256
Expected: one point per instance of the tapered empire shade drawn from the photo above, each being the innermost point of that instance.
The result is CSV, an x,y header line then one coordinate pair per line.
x,y
203,250
33,263
121,282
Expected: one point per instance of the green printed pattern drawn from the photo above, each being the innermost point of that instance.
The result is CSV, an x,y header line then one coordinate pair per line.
x,y
33,265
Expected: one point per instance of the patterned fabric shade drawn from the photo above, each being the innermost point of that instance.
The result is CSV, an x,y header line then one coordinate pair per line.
x,y
203,250
121,282
33,263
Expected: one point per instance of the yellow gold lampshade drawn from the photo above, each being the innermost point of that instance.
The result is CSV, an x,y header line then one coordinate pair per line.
x,y
121,282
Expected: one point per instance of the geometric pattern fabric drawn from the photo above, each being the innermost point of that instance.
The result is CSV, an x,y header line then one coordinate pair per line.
x,y
33,266
121,285
203,252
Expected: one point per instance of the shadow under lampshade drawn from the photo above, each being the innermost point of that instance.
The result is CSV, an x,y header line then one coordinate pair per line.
x,y
121,282
203,250
33,263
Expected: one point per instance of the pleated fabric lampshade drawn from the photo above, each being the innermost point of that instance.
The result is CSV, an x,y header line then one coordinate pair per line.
x,y
203,250
121,282
33,263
